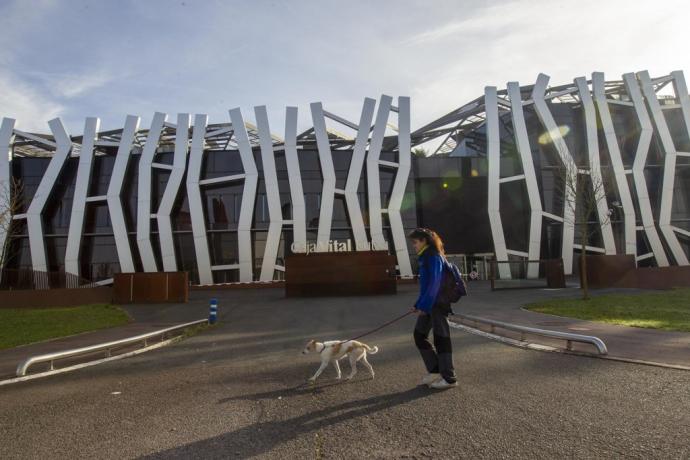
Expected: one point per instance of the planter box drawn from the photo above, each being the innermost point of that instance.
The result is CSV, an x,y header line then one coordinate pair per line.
x,y
340,274
45,298
620,271
151,287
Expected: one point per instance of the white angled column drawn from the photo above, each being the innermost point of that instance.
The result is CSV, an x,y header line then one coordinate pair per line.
x,y
595,164
251,178
641,153
81,190
299,217
670,153
45,188
598,87
328,173
144,212
172,190
525,152
275,212
493,140
196,205
117,178
681,90
355,173
554,134
6,188
373,177
399,185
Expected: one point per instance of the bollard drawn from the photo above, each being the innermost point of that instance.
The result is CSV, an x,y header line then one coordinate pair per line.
x,y
213,312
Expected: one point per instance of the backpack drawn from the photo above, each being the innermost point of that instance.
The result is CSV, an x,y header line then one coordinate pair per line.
x,y
452,286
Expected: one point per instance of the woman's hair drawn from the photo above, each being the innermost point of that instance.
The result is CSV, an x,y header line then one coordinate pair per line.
x,y
429,236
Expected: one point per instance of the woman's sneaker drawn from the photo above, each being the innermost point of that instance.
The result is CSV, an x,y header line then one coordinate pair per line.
x,y
428,379
442,384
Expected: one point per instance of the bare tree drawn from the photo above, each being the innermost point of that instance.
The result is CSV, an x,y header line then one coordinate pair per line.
x,y
584,194
10,204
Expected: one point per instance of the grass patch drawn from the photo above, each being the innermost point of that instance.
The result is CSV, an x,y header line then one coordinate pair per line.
x,y
20,326
667,310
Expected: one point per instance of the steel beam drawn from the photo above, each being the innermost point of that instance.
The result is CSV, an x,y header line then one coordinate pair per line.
x,y
670,152
45,188
196,205
355,173
525,152
172,190
244,236
148,259
275,212
81,190
117,179
328,173
599,90
554,134
6,188
641,153
299,219
598,185
373,178
399,185
493,154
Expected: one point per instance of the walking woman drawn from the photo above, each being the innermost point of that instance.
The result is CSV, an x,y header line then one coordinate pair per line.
x,y
432,311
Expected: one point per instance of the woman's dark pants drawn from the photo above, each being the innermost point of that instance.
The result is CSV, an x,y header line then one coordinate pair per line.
x,y
440,360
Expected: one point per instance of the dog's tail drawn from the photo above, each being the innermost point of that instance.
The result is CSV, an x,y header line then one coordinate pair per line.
x,y
372,350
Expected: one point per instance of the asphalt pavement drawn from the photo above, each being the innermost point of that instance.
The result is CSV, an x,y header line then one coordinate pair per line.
x,y
238,391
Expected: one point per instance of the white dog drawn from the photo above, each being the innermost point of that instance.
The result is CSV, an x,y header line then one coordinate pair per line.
x,y
334,350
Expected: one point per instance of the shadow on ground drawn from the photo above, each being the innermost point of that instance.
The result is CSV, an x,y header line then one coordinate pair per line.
x,y
264,436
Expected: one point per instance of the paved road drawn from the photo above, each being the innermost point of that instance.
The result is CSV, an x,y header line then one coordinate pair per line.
x,y
234,392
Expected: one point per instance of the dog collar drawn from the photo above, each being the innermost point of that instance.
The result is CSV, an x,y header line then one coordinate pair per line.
x,y
324,347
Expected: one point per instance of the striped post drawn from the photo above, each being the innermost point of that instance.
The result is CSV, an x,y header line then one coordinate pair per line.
x,y
213,311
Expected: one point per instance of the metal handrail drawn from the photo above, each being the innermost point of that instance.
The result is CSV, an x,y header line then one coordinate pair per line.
x,y
567,336
23,366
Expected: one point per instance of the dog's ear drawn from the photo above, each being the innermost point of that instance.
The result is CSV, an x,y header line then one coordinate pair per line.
x,y
311,344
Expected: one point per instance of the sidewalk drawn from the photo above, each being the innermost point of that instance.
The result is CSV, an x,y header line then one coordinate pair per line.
x,y
146,318
623,342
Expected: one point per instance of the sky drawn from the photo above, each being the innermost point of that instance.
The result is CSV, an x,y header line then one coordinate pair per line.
x,y
73,59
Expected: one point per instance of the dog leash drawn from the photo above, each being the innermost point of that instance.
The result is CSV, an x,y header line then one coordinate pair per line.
x,y
381,326
374,330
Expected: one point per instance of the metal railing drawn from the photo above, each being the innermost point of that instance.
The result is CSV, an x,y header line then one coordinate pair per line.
x,y
567,336
23,367
26,279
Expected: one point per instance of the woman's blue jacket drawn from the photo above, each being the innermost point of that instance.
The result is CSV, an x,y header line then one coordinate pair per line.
x,y
431,266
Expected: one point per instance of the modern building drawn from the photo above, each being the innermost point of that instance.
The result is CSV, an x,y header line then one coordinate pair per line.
x,y
228,202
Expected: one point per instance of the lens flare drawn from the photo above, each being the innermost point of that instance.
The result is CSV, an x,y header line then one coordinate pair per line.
x,y
558,133
451,179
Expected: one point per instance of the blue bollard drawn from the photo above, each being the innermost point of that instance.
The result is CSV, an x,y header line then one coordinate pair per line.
x,y
213,312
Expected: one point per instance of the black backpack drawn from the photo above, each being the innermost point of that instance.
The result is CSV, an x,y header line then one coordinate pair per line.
x,y
452,285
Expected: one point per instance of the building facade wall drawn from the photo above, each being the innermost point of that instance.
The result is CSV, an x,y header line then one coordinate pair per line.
x,y
99,257
499,193
224,215
622,136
